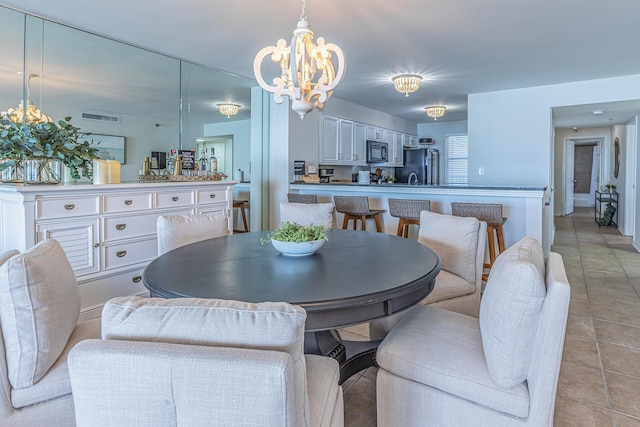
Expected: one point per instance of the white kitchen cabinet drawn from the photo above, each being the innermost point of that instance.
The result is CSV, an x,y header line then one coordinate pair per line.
x,y
107,232
342,141
410,141
376,134
394,140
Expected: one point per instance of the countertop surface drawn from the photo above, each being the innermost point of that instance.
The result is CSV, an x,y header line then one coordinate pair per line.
x,y
444,187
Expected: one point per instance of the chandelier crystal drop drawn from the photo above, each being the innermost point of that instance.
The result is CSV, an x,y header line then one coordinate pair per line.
x,y
435,111
407,83
228,109
308,76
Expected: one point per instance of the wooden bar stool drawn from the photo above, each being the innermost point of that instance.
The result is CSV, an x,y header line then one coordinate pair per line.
x,y
239,204
491,213
302,198
408,212
357,208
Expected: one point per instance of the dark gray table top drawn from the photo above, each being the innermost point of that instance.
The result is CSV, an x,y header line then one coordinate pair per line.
x,y
356,276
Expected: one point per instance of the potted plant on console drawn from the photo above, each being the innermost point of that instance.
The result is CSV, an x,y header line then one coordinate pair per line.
x,y
42,148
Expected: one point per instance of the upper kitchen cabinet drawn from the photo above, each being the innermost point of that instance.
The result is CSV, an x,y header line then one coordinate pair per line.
x,y
342,142
376,134
395,140
410,141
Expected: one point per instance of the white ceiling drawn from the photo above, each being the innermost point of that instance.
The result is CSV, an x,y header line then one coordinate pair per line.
x,y
459,46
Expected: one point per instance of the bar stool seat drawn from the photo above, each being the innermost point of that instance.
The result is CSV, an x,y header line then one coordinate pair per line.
x,y
408,212
302,198
357,208
239,204
491,213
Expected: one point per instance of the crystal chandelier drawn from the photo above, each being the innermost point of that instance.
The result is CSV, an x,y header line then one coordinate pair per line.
x,y
301,63
407,83
435,111
30,114
228,109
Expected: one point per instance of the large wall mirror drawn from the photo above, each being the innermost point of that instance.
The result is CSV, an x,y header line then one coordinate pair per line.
x,y
157,103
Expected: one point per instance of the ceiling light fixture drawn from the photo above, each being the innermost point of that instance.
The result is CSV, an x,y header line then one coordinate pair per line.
x,y
31,114
407,83
597,112
435,111
228,109
299,64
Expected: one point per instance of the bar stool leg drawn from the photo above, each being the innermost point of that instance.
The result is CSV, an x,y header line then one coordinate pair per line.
x,y
492,244
378,223
244,218
363,220
400,227
345,222
501,246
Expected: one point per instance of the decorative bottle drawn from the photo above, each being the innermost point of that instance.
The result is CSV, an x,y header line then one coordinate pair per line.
x,y
203,162
213,163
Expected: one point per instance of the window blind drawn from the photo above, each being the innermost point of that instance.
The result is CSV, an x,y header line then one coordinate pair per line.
x,y
457,158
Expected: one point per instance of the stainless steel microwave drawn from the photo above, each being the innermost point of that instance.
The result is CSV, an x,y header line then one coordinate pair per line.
x,y
377,152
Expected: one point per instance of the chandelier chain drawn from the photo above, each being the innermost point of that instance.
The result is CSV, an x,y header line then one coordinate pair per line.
x,y
303,16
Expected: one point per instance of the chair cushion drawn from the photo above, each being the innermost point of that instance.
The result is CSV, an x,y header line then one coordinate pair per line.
x,y
454,239
323,375
268,326
4,257
307,214
39,308
447,286
510,311
442,349
56,382
179,230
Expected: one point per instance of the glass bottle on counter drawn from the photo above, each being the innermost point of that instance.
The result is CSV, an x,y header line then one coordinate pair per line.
x,y
213,163
203,162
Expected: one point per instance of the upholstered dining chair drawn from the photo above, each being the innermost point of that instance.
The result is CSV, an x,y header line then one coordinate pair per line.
x,y
179,230
302,198
197,362
460,244
307,214
39,310
443,368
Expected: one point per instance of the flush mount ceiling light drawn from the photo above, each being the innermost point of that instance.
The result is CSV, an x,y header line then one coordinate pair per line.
x,y
597,112
30,114
435,111
228,109
300,64
407,83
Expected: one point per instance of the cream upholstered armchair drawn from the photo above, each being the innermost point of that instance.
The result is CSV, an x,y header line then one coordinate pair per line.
x,y
307,213
443,368
174,231
39,309
197,362
460,244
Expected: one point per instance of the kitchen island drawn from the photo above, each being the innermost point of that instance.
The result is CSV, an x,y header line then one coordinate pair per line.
x,y
523,206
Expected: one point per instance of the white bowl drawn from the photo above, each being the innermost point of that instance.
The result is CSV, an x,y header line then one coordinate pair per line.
x,y
295,249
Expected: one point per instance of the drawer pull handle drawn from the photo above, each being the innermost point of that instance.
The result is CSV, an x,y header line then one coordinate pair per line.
x,y
174,198
70,206
121,226
96,245
136,279
120,254
212,196
128,202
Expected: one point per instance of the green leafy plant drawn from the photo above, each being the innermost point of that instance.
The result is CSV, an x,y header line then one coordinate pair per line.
x,y
607,217
46,140
389,179
294,232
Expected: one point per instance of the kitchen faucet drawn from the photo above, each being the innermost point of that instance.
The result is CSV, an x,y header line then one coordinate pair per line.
x,y
412,174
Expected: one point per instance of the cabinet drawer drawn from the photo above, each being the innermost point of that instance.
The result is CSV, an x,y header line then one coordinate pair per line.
x,y
129,226
94,293
129,253
67,207
127,202
174,199
214,195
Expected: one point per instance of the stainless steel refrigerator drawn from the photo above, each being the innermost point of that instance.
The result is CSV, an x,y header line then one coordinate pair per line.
x,y
424,162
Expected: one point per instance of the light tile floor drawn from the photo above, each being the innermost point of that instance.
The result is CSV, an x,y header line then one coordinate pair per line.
x,y
600,374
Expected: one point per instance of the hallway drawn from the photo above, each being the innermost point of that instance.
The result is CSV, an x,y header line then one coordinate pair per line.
x,y
600,374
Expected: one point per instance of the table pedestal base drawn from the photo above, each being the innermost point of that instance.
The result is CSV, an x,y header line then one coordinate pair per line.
x,y
353,356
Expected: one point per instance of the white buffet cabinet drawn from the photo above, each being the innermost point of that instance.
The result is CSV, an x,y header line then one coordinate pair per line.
x,y
107,231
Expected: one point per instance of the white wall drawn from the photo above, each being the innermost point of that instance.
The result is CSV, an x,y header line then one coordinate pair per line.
x,y
241,132
510,132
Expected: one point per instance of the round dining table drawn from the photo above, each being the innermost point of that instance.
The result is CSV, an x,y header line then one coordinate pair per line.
x,y
355,277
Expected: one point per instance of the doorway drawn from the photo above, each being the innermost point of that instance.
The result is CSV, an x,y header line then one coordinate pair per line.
x,y
582,171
